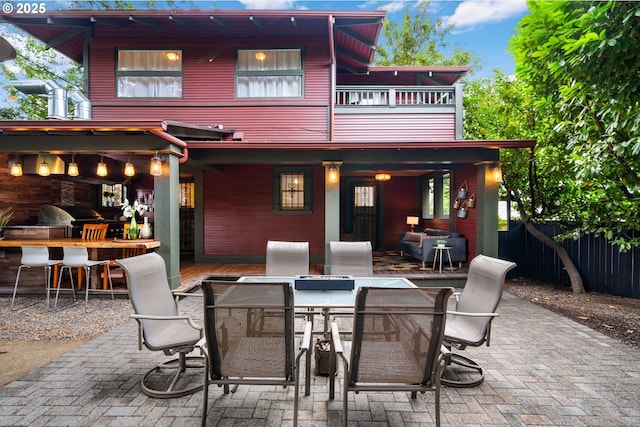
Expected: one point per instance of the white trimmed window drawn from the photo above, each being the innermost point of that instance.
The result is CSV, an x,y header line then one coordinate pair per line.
x,y
269,73
149,73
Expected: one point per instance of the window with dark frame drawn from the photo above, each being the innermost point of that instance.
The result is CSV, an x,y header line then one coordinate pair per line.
x,y
149,73
292,190
436,197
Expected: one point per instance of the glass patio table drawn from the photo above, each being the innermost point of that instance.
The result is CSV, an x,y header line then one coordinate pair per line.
x,y
329,301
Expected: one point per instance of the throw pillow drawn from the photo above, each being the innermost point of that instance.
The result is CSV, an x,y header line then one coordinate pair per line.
x,y
412,236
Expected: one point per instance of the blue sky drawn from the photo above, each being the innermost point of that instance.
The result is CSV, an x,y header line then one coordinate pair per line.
x,y
482,26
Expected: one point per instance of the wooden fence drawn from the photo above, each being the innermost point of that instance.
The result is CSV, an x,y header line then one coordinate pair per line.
x,y
602,267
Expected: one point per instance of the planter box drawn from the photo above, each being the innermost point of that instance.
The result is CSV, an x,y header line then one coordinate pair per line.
x,y
324,283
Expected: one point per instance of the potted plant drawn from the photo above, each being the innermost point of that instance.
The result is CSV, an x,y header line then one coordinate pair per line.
x,y
441,243
6,215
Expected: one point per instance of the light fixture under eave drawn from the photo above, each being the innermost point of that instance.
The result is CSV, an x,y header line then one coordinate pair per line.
x,y
101,170
155,168
129,169
261,56
496,172
72,168
16,167
43,169
332,174
382,177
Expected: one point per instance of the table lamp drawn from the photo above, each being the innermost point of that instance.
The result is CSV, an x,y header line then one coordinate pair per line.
x,y
412,221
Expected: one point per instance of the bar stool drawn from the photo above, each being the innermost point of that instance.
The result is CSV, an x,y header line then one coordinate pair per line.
x,y
78,257
36,256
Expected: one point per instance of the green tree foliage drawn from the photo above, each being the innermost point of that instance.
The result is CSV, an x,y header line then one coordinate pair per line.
x,y
28,65
419,40
536,179
582,62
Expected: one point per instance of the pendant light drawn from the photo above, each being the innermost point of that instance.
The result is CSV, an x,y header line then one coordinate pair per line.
x,y
129,169
16,167
72,169
102,168
43,168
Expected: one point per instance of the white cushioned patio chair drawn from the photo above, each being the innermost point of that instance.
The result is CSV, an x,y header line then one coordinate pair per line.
x,y
470,323
240,347
287,258
351,258
162,328
381,359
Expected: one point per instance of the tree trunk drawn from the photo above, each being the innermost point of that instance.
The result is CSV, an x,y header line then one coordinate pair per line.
x,y
574,275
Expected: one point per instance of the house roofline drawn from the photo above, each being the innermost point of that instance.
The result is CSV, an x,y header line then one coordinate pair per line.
x,y
17,127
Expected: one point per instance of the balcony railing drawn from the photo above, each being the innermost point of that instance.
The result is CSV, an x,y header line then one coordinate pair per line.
x,y
359,96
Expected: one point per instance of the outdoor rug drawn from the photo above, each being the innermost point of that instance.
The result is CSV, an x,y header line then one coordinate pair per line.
x,y
392,261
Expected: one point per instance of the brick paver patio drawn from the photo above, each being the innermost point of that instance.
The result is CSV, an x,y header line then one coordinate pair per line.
x,y
542,369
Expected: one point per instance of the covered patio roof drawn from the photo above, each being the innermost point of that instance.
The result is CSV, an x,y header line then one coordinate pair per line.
x,y
209,145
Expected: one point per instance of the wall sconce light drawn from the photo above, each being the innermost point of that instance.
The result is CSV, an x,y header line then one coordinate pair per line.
x,y
155,168
382,177
496,172
261,56
332,174
129,169
16,167
43,168
412,221
72,169
101,170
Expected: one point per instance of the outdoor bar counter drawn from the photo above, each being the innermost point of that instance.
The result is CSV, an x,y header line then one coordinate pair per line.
x,y
10,255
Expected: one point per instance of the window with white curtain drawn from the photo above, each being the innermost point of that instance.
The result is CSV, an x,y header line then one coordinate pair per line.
x,y
269,73
149,73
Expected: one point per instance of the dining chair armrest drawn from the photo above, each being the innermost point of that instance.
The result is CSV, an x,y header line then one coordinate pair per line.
x,y
305,344
178,295
335,337
139,317
470,314
179,317
202,346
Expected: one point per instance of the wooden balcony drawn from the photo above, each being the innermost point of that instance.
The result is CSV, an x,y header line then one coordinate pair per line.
x,y
404,113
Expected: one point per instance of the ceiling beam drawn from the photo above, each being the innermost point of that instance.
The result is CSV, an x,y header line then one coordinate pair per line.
x,y
219,21
182,21
256,21
145,21
109,21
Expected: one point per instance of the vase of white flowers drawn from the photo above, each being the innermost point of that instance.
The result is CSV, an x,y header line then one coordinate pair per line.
x,y
133,228
129,211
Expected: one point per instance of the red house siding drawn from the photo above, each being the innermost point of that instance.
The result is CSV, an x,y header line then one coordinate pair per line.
x,y
239,217
209,91
390,127
400,201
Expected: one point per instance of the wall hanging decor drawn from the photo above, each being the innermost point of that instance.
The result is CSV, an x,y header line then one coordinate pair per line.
x,y
463,211
462,191
471,201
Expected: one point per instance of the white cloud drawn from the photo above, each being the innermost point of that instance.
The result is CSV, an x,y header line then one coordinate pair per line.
x,y
268,4
392,6
476,12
